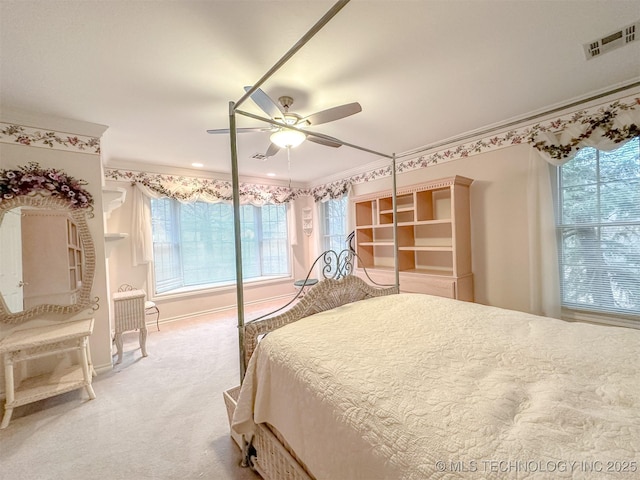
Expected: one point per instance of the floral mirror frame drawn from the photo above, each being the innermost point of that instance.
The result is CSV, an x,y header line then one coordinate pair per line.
x,y
51,189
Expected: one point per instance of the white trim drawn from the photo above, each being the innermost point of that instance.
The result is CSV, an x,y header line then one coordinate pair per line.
x,y
213,311
195,290
599,319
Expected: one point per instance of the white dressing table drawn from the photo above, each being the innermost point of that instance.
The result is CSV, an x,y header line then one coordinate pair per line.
x,y
39,342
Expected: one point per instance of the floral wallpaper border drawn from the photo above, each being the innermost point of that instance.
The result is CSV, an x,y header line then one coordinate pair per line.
x,y
34,137
526,134
191,188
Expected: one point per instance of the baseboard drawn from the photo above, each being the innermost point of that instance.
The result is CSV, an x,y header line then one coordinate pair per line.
x,y
212,311
105,367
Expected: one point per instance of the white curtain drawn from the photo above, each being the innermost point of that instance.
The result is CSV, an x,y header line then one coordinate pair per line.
x,y
293,223
605,130
350,221
141,236
317,246
544,281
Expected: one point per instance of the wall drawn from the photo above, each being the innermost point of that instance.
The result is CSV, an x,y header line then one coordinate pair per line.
x,y
499,237
87,167
499,242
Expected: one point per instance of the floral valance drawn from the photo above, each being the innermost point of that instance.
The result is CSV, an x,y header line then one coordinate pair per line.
x,y
614,123
31,179
605,129
330,191
191,189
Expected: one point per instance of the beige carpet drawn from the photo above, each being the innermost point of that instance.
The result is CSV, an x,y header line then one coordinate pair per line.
x,y
159,417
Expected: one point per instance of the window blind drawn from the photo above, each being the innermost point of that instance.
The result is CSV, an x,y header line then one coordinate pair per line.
x,y
599,230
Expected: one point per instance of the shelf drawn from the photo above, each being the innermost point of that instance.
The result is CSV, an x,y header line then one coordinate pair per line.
x,y
115,236
112,198
420,248
384,225
399,210
433,236
420,271
431,222
430,271
41,342
46,385
110,241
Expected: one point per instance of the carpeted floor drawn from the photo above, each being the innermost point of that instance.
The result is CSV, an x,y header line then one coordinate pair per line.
x,y
159,417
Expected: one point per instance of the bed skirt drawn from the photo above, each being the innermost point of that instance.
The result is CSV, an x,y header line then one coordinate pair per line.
x,y
274,461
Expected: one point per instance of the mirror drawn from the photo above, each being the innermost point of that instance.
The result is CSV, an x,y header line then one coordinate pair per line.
x,y
47,257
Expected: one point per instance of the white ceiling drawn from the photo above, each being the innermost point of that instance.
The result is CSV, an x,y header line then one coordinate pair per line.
x,y
160,73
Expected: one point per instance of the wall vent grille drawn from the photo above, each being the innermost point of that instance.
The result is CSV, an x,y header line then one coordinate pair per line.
x,y
609,42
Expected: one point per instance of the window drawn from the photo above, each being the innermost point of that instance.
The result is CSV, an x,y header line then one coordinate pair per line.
x,y
193,244
335,224
599,230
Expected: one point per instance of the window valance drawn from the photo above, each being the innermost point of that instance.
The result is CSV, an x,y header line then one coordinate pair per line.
x,y
330,191
558,140
606,129
191,189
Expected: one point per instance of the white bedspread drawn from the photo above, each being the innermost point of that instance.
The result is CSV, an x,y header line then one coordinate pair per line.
x,y
413,386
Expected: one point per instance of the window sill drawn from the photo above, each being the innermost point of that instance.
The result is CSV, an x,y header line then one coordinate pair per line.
x,y
197,290
600,318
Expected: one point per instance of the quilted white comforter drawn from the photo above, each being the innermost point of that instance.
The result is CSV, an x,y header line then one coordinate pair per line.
x,y
413,386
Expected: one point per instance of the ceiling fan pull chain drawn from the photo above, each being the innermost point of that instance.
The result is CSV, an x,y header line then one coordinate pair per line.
x,y
289,164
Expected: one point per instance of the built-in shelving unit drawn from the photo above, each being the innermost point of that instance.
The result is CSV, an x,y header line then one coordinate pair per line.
x,y
434,237
112,198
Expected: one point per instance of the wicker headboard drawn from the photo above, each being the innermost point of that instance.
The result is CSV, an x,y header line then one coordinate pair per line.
x,y
327,294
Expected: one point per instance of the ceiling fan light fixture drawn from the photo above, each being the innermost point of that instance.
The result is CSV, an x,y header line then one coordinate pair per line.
x,y
285,138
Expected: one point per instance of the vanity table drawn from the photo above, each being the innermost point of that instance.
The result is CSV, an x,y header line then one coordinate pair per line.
x,y
39,342
47,197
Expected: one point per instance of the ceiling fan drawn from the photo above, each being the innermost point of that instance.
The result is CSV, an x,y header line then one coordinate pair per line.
x,y
287,138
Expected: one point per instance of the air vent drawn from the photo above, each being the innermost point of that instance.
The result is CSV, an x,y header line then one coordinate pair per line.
x,y
612,41
259,156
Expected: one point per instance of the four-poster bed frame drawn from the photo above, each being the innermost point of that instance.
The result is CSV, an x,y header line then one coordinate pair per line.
x,y
233,110
320,397
281,463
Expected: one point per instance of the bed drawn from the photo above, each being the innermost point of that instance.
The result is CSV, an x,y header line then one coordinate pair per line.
x,y
356,381
360,382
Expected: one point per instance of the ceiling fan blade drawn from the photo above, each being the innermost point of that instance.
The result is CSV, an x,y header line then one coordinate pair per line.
x,y
323,141
265,102
272,150
332,114
240,130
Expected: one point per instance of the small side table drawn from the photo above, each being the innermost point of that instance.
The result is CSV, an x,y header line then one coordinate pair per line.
x,y
302,284
129,314
39,342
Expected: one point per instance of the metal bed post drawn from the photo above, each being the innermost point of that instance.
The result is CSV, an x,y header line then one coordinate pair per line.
x,y
233,110
237,235
394,199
